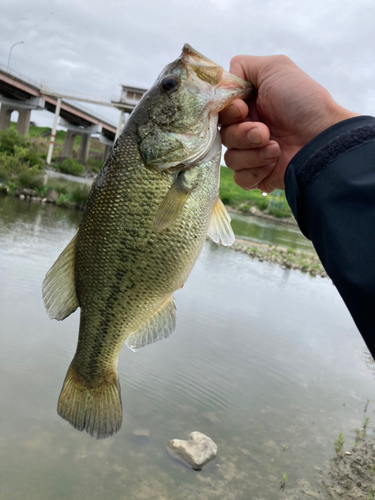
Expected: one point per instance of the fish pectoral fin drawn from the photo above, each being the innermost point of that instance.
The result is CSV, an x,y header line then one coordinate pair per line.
x,y
159,326
59,287
220,228
174,201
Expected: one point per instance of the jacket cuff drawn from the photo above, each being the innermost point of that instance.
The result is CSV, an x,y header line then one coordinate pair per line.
x,y
317,155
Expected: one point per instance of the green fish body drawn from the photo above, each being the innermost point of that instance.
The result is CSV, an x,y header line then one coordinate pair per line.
x,y
146,219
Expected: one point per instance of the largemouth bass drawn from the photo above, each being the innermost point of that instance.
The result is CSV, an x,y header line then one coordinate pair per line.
x,y
145,222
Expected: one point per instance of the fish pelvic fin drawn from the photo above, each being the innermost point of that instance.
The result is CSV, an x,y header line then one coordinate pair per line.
x,y
159,326
59,286
220,229
98,410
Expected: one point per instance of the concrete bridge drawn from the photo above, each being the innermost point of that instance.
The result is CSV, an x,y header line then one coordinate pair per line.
x,y
22,94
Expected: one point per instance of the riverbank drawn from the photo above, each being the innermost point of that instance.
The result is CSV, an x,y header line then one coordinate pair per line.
x,y
255,212
287,258
349,477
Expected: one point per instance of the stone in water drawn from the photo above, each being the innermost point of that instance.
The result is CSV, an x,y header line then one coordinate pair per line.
x,y
196,451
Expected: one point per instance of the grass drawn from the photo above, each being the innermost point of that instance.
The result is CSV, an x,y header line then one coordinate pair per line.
x,y
72,167
338,444
234,196
283,482
71,192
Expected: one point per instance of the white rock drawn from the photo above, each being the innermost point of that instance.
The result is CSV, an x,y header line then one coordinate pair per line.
x,y
196,451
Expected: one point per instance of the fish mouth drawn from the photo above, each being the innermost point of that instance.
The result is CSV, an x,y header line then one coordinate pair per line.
x,y
189,54
227,87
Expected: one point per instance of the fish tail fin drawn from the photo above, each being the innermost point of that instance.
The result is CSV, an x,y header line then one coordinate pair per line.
x,y
98,410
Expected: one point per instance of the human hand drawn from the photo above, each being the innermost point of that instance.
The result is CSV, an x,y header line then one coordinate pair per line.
x,y
287,111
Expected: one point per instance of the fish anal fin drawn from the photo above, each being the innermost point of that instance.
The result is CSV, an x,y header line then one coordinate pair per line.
x,y
96,410
220,229
59,289
159,326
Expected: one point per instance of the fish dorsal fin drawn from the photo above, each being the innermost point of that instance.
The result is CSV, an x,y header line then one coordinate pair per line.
x,y
59,287
220,228
174,201
160,326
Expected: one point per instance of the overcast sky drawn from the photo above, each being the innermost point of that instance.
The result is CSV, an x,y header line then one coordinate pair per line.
x,y
92,47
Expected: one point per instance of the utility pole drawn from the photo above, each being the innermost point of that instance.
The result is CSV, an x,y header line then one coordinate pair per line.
x,y
119,126
53,133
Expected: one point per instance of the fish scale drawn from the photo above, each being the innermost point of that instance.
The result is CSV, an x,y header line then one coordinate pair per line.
x,y
144,225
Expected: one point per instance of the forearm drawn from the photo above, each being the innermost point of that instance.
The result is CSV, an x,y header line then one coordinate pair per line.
x,y
330,186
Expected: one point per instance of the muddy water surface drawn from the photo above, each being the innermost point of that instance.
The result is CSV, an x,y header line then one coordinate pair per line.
x,y
265,361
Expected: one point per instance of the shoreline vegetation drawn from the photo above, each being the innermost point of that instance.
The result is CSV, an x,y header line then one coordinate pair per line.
x,y
22,163
22,174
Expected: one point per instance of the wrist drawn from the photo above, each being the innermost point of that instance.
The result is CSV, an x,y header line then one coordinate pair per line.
x,y
338,114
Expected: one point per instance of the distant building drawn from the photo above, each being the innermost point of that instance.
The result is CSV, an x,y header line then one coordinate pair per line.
x,y
131,95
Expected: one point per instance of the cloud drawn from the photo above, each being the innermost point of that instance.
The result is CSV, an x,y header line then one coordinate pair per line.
x,y
93,47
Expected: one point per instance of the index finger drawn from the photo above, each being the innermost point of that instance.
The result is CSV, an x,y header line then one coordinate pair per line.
x,y
236,112
256,69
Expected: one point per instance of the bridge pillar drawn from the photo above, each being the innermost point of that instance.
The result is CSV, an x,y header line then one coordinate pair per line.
x,y
84,148
67,149
23,124
108,145
5,113
24,111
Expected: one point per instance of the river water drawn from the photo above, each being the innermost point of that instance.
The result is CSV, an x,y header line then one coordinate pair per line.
x,y
265,231
265,361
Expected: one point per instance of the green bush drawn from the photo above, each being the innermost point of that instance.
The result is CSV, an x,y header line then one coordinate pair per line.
x,y
79,194
95,165
70,166
68,191
31,178
61,199
10,139
8,166
20,164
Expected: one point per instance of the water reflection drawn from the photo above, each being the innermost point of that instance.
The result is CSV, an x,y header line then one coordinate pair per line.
x,y
265,231
262,357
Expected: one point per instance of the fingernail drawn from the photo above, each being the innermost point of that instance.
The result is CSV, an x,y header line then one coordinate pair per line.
x,y
234,112
254,136
271,151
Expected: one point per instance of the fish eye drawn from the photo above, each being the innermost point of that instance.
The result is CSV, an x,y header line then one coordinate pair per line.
x,y
169,83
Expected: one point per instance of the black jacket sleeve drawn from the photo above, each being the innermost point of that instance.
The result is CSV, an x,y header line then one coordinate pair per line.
x,y
330,187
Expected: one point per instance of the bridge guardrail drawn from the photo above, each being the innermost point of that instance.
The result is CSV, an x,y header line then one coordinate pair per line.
x,y
68,97
19,75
